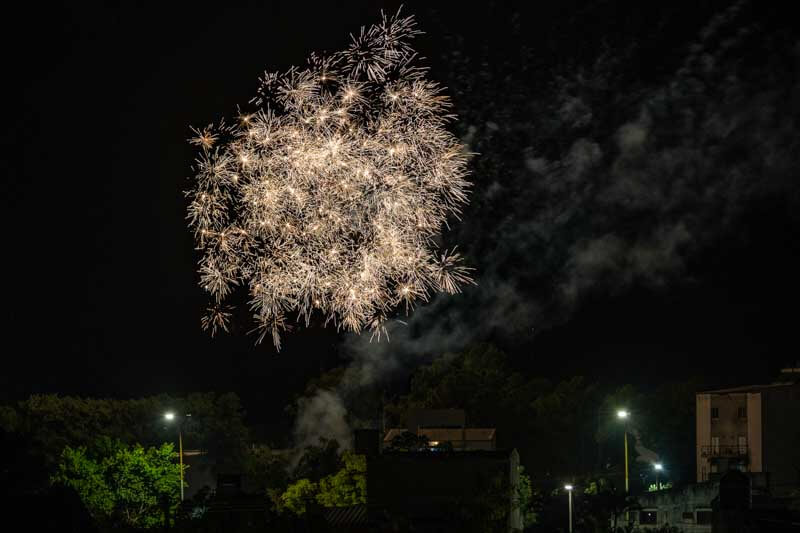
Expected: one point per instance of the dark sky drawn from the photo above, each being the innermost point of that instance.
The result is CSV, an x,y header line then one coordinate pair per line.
x,y
100,287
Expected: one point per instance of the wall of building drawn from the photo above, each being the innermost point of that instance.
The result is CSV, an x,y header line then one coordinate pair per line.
x,y
703,426
729,425
781,438
673,507
427,485
754,432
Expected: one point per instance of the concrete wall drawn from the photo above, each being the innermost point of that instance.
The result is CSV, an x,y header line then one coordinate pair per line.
x,y
670,506
703,426
781,438
728,426
754,431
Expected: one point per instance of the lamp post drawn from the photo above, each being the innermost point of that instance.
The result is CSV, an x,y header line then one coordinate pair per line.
x,y
169,417
658,467
569,488
622,414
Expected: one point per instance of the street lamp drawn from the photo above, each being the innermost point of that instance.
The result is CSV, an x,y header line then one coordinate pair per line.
x,y
658,467
169,417
623,415
569,488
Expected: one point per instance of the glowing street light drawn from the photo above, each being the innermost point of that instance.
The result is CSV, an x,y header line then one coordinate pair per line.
x,y
169,416
658,467
623,415
569,488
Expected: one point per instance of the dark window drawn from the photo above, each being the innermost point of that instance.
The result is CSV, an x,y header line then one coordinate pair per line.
x,y
743,412
703,517
688,517
648,517
715,412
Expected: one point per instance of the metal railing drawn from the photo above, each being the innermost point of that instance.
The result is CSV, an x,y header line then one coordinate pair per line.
x,y
732,450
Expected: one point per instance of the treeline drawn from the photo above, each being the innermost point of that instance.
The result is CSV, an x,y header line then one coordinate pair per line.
x,y
560,428
49,423
564,430
120,457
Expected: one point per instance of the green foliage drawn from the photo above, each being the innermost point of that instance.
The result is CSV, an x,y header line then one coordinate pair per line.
x,y
603,505
264,470
123,485
319,460
524,499
299,496
346,487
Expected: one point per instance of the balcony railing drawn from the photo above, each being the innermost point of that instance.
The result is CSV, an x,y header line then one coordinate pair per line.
x,y
734,450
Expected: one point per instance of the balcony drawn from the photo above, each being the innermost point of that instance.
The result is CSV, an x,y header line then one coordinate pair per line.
x,y
733,450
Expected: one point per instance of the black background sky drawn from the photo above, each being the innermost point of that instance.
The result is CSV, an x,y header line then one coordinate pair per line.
x,y
99,287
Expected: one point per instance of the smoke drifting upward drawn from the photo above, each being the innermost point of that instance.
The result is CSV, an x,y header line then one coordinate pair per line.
x,y
323,415
595,183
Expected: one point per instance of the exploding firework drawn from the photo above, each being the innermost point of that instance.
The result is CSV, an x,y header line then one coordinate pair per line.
x,y
328,198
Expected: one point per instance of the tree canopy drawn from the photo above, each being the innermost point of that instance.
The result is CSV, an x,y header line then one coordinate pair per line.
x,y
123,485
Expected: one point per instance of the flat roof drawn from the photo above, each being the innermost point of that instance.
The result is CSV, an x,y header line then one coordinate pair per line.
x,y
748,388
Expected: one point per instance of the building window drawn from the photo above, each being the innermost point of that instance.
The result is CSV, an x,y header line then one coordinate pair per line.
x,y
714,413
688,517
743,412
742,444
648,517
715,445
703,517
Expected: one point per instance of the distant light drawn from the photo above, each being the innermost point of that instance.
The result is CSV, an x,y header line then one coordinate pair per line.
x,y
622,413
434,443
568,487
169,416
658,466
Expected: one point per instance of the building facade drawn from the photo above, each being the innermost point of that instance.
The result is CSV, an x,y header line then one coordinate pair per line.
x,y
445,425
754,429
689,509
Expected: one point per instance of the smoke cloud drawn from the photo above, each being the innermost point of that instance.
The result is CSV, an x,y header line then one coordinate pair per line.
x,y
598,184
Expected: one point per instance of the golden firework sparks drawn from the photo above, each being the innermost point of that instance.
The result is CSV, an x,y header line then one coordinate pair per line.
x,y
328,197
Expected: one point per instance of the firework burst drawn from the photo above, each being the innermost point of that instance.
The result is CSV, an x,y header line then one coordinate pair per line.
x,y
327,199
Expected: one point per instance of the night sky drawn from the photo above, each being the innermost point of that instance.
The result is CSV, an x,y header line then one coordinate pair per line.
x,y
100,287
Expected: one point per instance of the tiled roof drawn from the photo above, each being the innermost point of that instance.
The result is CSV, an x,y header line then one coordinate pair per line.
x,y
346,516
447,434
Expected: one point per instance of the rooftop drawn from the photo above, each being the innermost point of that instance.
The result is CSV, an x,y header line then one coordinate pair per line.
x,y
447,434
748,388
